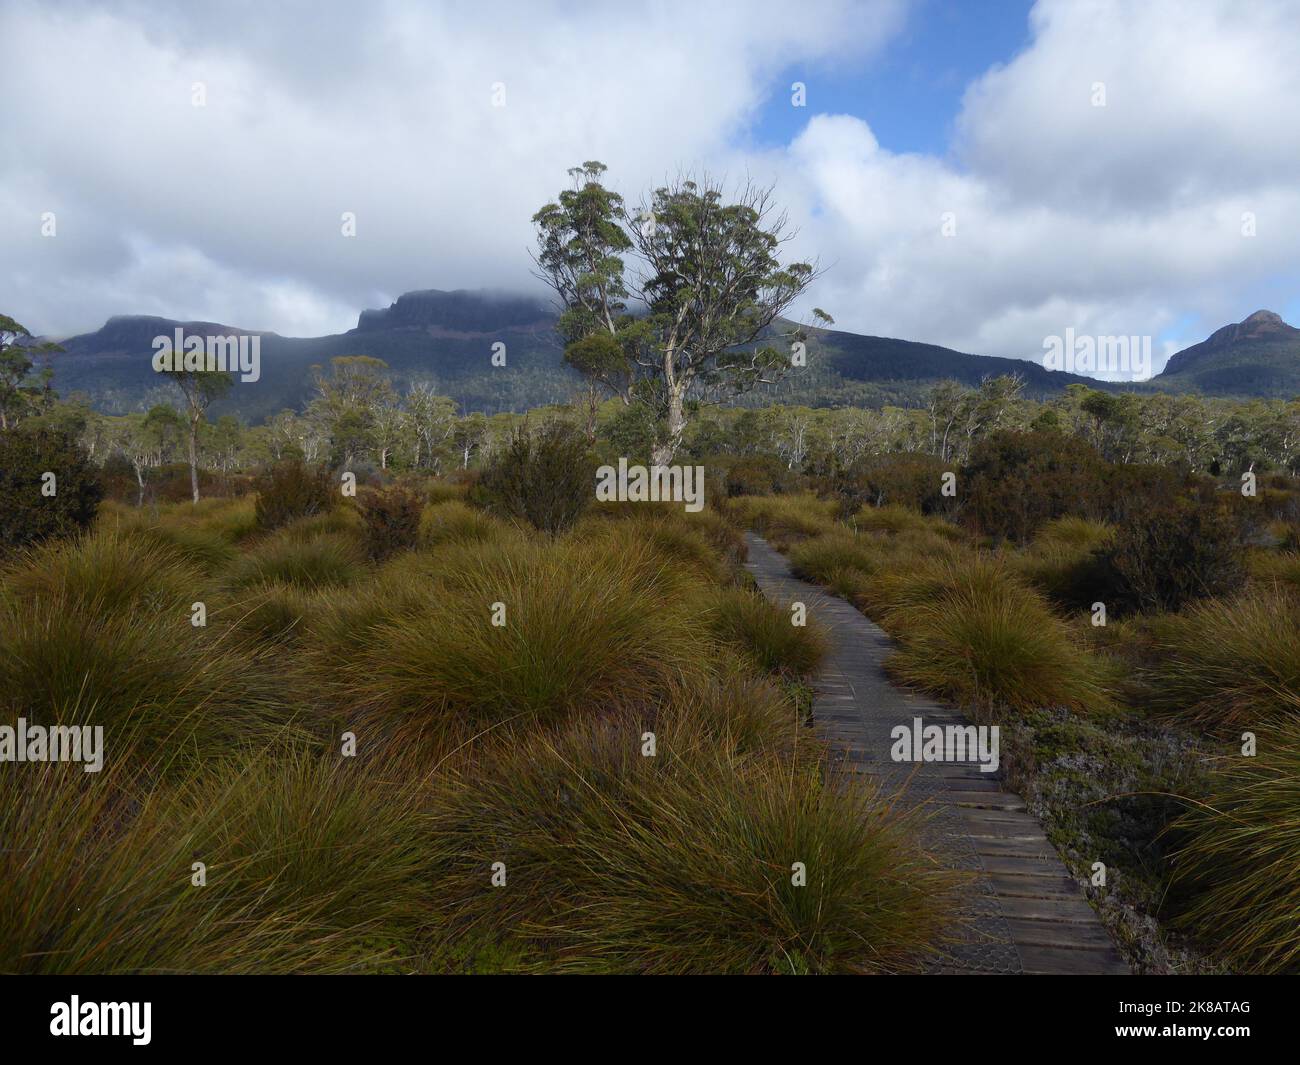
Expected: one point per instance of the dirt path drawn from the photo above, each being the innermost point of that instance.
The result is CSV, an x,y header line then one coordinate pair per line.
x,y
1027,915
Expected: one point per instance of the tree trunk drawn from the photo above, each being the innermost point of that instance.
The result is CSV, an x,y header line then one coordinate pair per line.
x,y
662,454
194,457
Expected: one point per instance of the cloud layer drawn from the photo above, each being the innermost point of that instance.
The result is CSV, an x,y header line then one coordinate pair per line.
x,y
1125,218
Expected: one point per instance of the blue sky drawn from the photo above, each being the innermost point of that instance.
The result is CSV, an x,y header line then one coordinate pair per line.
x,y
910,94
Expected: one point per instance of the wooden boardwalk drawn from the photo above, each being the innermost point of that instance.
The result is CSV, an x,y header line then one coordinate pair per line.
x,y
1024,912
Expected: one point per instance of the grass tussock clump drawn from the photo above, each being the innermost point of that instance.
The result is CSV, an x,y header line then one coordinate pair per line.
x,y
1230,664
306,561
107,572
1237,872
577,629
669,864
785,519
768,632
311,865
154,682
972,633
452,521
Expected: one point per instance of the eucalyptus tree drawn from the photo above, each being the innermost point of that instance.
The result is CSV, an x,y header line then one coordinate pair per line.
x,y
23,387
706,279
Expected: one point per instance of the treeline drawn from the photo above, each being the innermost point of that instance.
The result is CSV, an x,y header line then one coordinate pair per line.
x,y
358,418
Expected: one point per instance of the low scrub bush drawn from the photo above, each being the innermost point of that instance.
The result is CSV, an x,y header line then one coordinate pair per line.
x,y
909,481
29,515
390,520
547,478
1170,557
290,490
1015,482
757,475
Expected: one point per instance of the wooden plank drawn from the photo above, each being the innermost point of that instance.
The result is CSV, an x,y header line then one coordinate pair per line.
x,y
1059,960
1067,934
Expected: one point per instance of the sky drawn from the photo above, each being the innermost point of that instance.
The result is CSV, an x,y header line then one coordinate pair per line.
x,y
982,174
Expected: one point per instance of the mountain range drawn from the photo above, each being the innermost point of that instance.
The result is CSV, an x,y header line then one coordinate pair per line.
x,y
448,338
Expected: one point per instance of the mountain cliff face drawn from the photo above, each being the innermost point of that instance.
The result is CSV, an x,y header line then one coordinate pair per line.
x,y
1259,356
448,337
458,312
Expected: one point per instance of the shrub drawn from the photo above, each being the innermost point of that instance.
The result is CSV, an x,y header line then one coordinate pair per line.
x,y
902,480
1171,556
1016,482
391,520
546,478
290,490
756,475
681,864
1236,875
28,515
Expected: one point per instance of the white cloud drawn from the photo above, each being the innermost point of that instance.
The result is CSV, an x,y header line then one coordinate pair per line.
x,y
1123,219
382,110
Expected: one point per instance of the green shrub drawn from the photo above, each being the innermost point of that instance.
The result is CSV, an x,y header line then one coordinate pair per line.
x,y
756,475
1172,556
546,478
290,490
28,515
1017,482
391,520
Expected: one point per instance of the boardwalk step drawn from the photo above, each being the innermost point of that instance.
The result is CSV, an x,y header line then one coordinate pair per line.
x,y
1021,911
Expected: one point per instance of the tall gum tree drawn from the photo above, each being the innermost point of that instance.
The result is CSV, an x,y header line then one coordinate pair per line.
x,y
706,281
